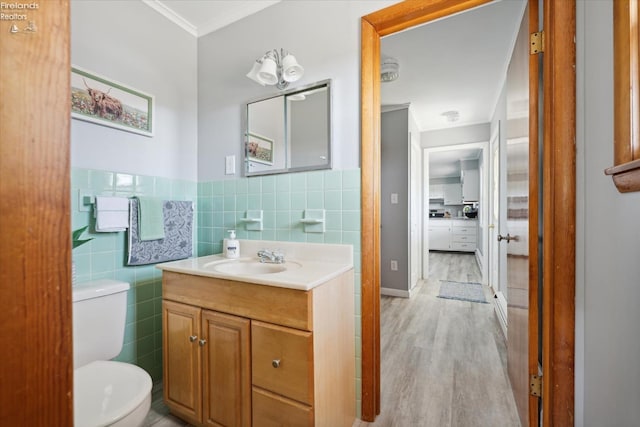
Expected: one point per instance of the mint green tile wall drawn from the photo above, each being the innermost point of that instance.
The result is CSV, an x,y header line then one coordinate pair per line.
x,y
283,199
104,257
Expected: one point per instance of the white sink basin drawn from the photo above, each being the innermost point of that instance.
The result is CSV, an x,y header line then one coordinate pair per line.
x,y
252,267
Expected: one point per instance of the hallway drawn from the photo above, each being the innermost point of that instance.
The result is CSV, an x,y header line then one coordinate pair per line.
x,y
443,361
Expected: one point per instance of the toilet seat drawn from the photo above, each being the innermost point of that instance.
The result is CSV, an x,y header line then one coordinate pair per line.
x,y
107,391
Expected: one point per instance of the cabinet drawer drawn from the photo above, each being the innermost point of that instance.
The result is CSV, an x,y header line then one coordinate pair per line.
x,y
464,230
282,360
463,247
271,410
463,238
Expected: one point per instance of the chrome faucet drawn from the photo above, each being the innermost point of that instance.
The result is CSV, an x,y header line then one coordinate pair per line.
x,y
271,257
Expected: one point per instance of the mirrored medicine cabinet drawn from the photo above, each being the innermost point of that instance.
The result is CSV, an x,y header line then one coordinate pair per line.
x,y
289,131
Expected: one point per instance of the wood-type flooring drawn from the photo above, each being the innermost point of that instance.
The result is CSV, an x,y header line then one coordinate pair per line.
x,y
443,362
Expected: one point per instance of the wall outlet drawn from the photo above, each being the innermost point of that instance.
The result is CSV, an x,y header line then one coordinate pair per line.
x,y
394,265
394,198
230,165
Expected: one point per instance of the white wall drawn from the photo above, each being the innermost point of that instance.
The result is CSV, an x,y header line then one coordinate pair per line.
x,y
608,242
324,36
131,43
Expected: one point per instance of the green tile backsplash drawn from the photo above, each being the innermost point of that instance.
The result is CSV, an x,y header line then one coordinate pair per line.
x,y
219,206
105,258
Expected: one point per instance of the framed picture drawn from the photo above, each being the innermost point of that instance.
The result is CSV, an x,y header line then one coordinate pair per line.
x,y
99,100
259,149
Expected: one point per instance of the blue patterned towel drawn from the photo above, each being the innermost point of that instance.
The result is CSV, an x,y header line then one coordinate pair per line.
x,y
178,239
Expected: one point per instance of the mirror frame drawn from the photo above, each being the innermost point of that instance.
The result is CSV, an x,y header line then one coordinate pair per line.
x,y
626,82
285,93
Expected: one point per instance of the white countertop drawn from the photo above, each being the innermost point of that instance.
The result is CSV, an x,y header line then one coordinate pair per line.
x,y
318,263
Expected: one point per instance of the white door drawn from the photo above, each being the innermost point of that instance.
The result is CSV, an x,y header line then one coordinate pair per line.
x,y
497,257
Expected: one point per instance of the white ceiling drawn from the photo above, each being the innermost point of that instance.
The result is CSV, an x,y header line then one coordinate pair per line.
x,y
457,63
200,17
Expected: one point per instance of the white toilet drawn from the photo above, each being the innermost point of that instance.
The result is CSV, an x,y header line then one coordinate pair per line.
x,y
106,393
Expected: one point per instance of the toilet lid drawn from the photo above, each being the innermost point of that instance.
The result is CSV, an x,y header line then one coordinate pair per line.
x,y
105,391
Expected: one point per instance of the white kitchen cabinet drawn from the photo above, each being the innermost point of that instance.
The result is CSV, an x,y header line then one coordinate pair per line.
x,y
439,234
436,191
470,185
464,235
452,194
458,235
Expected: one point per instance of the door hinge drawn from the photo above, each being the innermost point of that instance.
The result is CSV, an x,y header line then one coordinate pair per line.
x,y
536,41
535,385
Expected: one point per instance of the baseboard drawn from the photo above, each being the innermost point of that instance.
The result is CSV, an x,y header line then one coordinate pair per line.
x,y
395,292
500,305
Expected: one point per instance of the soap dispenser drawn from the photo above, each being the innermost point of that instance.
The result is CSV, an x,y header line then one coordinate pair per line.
x,y
232,245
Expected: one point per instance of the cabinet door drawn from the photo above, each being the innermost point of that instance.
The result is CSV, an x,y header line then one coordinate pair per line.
x,y
471,185
439,236
182,377
226,369
452,194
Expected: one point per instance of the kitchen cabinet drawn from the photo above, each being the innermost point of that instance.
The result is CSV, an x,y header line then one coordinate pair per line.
x,y
244,354
470,179
436,191
464,235
458,235
452,194
439,234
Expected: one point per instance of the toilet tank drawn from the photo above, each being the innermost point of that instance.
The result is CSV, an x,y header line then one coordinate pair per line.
x,y
99,315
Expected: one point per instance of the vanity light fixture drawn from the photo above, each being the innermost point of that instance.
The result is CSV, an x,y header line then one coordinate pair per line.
x,y
389,69
277,68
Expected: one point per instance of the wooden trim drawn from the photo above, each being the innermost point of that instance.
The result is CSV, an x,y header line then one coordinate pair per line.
x,y
386,21
370,208
534,206
626,176
35,249
558,185
559,195
626,134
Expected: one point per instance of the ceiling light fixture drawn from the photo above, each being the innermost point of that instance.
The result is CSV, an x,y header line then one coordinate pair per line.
x,y
389,69
276,68
451,116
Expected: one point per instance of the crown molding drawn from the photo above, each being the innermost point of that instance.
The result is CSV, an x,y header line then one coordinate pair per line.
x,y
172,16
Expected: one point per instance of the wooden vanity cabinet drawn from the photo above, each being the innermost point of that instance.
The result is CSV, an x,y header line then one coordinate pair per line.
x,y
207,376
271,356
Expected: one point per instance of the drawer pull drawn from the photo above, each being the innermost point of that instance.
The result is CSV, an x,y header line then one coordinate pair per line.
x,y
202,343
192,338
275,363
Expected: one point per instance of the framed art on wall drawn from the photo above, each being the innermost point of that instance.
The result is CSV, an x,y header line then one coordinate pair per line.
x,y
99,100
259,149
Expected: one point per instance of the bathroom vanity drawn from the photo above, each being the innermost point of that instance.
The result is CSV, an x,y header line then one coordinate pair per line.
x,y
253,344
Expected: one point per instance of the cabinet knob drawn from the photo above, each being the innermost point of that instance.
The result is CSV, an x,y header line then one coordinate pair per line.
x,y
275,363
192,338
202,342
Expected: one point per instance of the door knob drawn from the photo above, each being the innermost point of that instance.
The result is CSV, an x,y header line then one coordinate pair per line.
x,y
192,338
202,342
275,363
508,238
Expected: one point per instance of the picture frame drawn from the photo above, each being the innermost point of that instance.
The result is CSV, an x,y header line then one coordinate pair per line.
x,y
103,101
259,149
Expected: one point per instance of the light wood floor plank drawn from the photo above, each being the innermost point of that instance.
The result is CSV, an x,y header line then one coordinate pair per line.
x,y
443,361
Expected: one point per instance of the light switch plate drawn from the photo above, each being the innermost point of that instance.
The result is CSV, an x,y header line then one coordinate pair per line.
x,y
394,265
230,165
394,198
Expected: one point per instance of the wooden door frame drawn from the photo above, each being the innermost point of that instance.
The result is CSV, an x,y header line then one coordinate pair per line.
x,y
36,364
558,189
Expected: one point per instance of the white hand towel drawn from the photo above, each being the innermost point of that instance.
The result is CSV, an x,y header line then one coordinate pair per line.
x,y
111,213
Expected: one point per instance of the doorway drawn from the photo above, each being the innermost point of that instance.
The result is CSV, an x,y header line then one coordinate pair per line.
x,y
558,183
